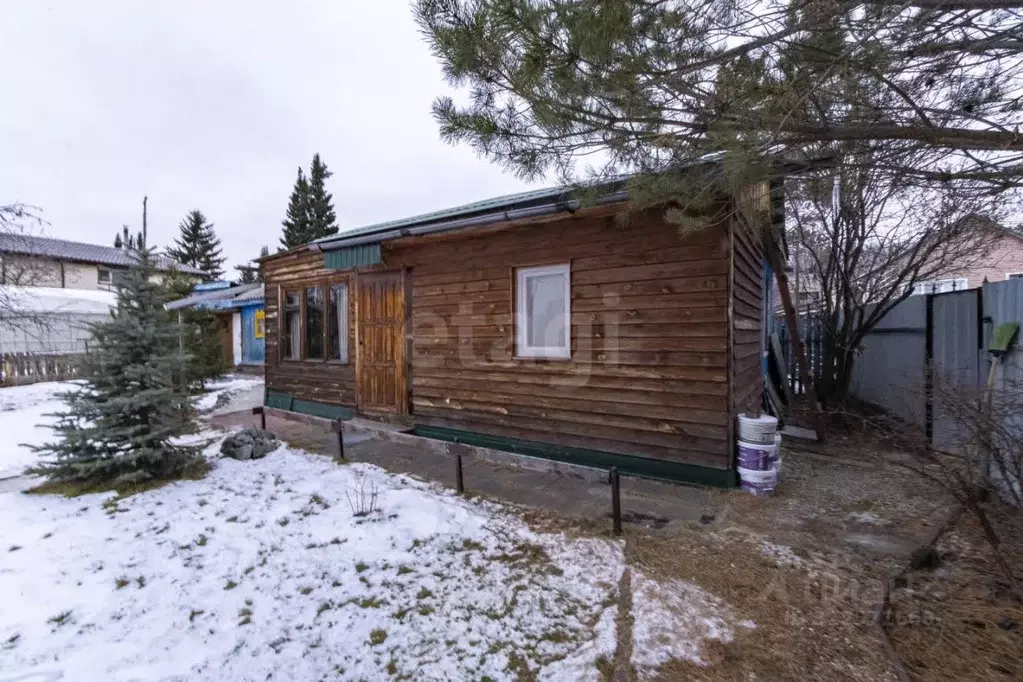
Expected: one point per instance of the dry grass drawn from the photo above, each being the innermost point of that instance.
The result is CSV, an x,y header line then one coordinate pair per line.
x,y
960,621
812,618
195,471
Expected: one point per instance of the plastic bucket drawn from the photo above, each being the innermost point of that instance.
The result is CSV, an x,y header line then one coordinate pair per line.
x,y
756,456
777,454
759,483
760,429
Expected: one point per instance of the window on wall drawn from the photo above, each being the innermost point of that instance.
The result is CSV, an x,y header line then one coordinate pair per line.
x,y
105,276
314,323
292,332
543,312
259,324
1014,275
337,323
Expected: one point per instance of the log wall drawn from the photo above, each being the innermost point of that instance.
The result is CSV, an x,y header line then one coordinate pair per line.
x,y
324,382
747,312
649,369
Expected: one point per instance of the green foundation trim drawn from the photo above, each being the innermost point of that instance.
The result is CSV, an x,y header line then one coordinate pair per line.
x,y
283,401
598,459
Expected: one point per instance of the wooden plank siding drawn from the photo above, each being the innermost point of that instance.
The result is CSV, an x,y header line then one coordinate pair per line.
x,y
648,374
324,382
747,305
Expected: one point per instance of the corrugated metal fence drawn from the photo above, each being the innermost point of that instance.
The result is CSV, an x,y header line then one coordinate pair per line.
x,y
949,330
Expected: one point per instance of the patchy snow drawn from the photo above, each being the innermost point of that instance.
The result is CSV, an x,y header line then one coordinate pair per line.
x,y
868,518
262,571
782,555
23,421
672,619
220,391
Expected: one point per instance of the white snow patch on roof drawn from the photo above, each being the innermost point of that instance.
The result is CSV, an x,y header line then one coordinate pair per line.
x,y
56,300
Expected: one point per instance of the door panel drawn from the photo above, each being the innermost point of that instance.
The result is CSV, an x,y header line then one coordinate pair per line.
x,y
381,363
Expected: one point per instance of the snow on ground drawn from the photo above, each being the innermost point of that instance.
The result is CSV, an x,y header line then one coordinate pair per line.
x,y
220,392
262,570
672,619
23,420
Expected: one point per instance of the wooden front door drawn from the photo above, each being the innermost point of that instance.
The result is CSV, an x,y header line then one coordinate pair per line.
x,y
381,366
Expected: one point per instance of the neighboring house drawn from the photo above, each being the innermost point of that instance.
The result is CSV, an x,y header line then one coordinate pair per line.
x,y
532,324
241,319
1004,261
27,260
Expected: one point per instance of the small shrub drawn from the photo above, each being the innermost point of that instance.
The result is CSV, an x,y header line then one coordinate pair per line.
x,y
230,585
195,613
201,541
424,593
378,636
403,569
140,581
121,582
305,589
364,501
60,618
361,566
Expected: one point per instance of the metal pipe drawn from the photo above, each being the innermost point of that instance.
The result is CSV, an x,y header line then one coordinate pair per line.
x,y
566,206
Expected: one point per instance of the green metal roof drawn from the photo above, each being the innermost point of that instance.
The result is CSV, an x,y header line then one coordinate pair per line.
x,y
464,211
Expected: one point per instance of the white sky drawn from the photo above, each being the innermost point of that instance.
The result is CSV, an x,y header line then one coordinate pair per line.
x,y
213,104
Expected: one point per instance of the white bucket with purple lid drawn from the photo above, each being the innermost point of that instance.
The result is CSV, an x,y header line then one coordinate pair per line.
x,y
756,456
760,429
759,483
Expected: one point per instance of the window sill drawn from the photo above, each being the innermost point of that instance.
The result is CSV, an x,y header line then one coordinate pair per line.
x,y
544,358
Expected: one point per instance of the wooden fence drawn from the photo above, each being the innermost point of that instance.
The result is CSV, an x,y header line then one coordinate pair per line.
x,y
18,369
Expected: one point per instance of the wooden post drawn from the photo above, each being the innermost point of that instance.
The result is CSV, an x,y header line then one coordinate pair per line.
x,y
339,427
262,416
616,501
459,480
181,352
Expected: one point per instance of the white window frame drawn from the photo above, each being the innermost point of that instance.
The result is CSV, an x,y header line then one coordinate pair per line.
x,y
1014,275
99,276
522,347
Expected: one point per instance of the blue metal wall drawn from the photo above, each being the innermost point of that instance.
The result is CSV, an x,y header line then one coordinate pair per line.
x,y
253,349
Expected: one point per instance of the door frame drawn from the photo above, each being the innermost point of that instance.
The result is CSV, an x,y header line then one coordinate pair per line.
x,y
403,370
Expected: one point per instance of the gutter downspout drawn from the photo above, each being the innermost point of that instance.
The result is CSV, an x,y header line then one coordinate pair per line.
x,y
567,206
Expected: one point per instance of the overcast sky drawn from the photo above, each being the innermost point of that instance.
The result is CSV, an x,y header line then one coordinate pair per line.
x,y
213,104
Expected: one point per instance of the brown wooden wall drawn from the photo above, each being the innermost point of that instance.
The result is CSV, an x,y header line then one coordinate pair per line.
x,y
649,369
324,382
747,304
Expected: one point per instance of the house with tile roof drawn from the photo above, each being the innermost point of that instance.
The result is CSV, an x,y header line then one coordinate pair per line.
x,y
28,260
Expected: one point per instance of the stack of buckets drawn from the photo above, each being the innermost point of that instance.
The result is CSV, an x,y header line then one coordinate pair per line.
x,y
759,454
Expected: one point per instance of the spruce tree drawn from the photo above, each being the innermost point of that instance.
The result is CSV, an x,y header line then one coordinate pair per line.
x,y
296,220
252,274
198,246
120,425
205,359
322,219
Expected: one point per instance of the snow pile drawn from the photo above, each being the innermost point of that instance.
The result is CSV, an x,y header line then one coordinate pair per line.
x,y
52,300
294,567
24,420
671,620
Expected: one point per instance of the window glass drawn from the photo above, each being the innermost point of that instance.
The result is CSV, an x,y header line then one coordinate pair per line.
x,y
104,276
544,318
314,323
337,322
292,325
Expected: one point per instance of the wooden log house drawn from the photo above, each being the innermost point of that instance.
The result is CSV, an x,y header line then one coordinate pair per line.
x,y
533,325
